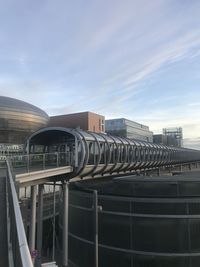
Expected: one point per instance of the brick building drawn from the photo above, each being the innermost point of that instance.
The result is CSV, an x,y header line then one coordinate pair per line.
x,y
87,121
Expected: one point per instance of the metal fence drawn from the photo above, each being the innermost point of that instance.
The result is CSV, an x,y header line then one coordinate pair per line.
x,y
19,255
35,162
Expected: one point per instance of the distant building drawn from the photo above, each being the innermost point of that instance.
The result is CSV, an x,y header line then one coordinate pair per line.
x,y
176,133
127,128
170,137
87,121
164,140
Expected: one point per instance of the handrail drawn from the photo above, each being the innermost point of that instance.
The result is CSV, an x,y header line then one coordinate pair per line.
x,y
23,245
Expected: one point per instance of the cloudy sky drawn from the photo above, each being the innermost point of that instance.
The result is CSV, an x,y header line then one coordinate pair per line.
x,y
137,59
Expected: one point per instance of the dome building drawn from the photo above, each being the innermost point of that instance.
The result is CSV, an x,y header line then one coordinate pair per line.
x,y
18,120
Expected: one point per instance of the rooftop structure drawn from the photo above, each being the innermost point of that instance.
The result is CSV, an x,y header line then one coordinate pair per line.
x,y
166,140
87,121
175,132
127,128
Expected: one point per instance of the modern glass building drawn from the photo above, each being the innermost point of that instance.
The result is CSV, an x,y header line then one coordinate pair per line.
x,y
166,140
127,128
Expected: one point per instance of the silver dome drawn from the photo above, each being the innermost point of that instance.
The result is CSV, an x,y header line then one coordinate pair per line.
x,y
19,119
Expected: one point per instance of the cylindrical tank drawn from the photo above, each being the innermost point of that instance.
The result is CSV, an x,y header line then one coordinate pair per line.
x,y
144,222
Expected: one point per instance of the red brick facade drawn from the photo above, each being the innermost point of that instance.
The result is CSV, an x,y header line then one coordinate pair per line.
x,y
86,121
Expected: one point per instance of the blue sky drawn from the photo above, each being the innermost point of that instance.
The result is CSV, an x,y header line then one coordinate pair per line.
x,y
137,59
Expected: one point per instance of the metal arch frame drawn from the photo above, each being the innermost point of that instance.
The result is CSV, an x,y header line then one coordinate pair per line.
x,y
107,161
152,154
145,148
86,155
99,155
133,158
123,160
175,155
168,155
84,159
140,154
154,158
130,147
148,148
133,161
115,159
164,161
159,155
171,155
136,155
73,132
140,159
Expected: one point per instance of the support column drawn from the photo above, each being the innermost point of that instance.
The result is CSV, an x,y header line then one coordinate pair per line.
x,y
39,225
32,218
190,166
96,242
65,223
54,221
181,168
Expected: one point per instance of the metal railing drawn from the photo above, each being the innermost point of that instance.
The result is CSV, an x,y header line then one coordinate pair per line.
x,y
18,251
36,162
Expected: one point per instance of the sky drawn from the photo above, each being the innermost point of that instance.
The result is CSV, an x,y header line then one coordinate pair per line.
x,y
136,59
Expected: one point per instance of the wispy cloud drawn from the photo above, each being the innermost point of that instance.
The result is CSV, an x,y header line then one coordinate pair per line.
x,y
136,59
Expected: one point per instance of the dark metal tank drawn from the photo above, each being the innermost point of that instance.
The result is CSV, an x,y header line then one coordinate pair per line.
x,y
144,222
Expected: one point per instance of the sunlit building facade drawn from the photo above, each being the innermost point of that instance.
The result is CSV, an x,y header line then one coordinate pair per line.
x,y
127,128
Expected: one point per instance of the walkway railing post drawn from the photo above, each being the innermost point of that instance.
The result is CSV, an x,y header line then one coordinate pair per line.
x,y
54,220
32,228
96,242
43,161
39,225
65,223
57,159
28,163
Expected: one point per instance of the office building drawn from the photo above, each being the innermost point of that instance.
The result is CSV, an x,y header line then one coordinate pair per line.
x,y
127,128
170,137
166,140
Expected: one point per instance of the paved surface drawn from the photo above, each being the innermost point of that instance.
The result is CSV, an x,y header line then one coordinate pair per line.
x,y
3,228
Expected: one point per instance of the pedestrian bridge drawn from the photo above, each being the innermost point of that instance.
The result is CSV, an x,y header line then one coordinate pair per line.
x,y
60,155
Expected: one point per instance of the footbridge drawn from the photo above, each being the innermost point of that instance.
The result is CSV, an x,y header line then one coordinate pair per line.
x,y
57,156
